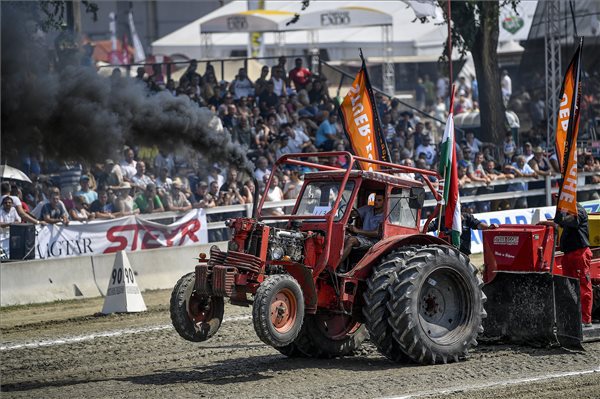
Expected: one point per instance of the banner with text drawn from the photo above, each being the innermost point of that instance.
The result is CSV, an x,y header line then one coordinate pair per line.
x,y
518,216
360,119
567,127
128,233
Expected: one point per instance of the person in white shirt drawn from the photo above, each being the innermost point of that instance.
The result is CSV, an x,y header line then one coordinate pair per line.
x,y
215,175
8,213
297,139
261,168
428,149
8,216
128,165
241,86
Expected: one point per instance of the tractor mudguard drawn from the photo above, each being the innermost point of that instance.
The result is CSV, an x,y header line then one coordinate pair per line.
x,y
362,269
537,309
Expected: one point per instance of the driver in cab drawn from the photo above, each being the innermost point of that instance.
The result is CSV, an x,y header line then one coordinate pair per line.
x,y
366,231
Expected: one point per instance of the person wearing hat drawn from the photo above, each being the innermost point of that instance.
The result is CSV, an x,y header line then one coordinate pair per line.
x,y
86,192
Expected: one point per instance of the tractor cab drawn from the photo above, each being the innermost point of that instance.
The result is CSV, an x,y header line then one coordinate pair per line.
x,y
327,198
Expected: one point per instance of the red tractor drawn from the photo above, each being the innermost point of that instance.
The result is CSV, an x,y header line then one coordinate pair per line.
x,y
419,298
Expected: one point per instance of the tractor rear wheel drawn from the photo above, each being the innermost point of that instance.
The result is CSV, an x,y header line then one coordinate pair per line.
x,y
376,298
278,310
330,335
437,305
195,317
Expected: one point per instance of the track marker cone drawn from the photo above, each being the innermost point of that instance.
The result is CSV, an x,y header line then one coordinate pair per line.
x,y
123,294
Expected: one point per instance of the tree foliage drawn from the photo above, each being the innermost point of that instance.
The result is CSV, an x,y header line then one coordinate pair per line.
x,y
475,29
54,13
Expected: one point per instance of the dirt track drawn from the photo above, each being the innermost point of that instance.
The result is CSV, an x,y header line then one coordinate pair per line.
x,y
235,363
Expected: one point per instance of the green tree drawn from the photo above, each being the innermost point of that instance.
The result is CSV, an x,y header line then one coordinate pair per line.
x,y
475,28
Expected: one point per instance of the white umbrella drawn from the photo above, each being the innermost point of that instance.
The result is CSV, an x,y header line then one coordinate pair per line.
x,y
8,172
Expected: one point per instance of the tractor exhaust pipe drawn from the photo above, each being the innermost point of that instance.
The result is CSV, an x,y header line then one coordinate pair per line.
x,y
255,198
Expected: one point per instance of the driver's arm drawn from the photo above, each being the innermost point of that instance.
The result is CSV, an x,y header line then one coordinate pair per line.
x,y
366,233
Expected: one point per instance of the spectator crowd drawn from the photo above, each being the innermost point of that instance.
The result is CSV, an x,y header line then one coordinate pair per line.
x,y
283,111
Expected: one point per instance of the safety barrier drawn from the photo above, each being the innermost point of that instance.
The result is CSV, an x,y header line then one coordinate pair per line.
x,y
39,281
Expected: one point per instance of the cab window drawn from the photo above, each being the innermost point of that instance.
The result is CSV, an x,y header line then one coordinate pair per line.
x,y
400,212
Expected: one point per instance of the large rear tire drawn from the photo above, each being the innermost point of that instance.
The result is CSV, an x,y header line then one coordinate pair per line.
x,y
376,299
278,310
195,317
436,307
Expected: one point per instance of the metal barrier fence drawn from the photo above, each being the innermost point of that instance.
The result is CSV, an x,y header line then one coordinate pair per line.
x,y
216,217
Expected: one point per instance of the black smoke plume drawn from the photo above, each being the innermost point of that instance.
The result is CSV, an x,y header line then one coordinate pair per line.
x,y
76,114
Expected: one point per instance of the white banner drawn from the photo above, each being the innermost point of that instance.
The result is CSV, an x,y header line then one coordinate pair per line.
x,y
128,233
518,216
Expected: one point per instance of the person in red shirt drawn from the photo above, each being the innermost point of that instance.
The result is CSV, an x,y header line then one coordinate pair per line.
x,y
299,75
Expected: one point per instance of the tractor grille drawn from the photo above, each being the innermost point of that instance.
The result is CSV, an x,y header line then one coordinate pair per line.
x,y
241,261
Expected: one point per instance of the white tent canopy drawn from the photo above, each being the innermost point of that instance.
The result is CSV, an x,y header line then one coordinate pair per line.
x,y
279,21
343,17
410,37
341,43
248,21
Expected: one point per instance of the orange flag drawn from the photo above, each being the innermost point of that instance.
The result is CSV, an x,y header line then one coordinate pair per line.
x,y
567,127
360,119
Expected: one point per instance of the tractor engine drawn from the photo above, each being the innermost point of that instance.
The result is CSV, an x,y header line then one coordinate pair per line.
x,y
252,247
285,244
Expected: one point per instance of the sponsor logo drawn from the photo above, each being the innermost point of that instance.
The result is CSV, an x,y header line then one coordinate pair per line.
x,y
506,240
335,18
237,22
504,255
131,236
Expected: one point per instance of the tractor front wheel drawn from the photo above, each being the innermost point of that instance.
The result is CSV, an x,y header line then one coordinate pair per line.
x,y
436,305
195,317
278,310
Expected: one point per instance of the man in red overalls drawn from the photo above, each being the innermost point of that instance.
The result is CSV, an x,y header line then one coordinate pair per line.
x,y
575,243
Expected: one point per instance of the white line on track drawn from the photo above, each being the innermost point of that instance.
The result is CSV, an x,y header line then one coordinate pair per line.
x,y
492,384
106,334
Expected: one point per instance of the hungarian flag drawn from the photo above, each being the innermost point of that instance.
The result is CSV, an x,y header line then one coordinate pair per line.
x,y
360,118
567,127
448,171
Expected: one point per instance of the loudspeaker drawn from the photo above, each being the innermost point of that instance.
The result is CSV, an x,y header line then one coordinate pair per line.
x,y
22,241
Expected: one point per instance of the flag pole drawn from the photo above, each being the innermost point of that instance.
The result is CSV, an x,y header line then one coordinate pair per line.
x,y
450,40
451,100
